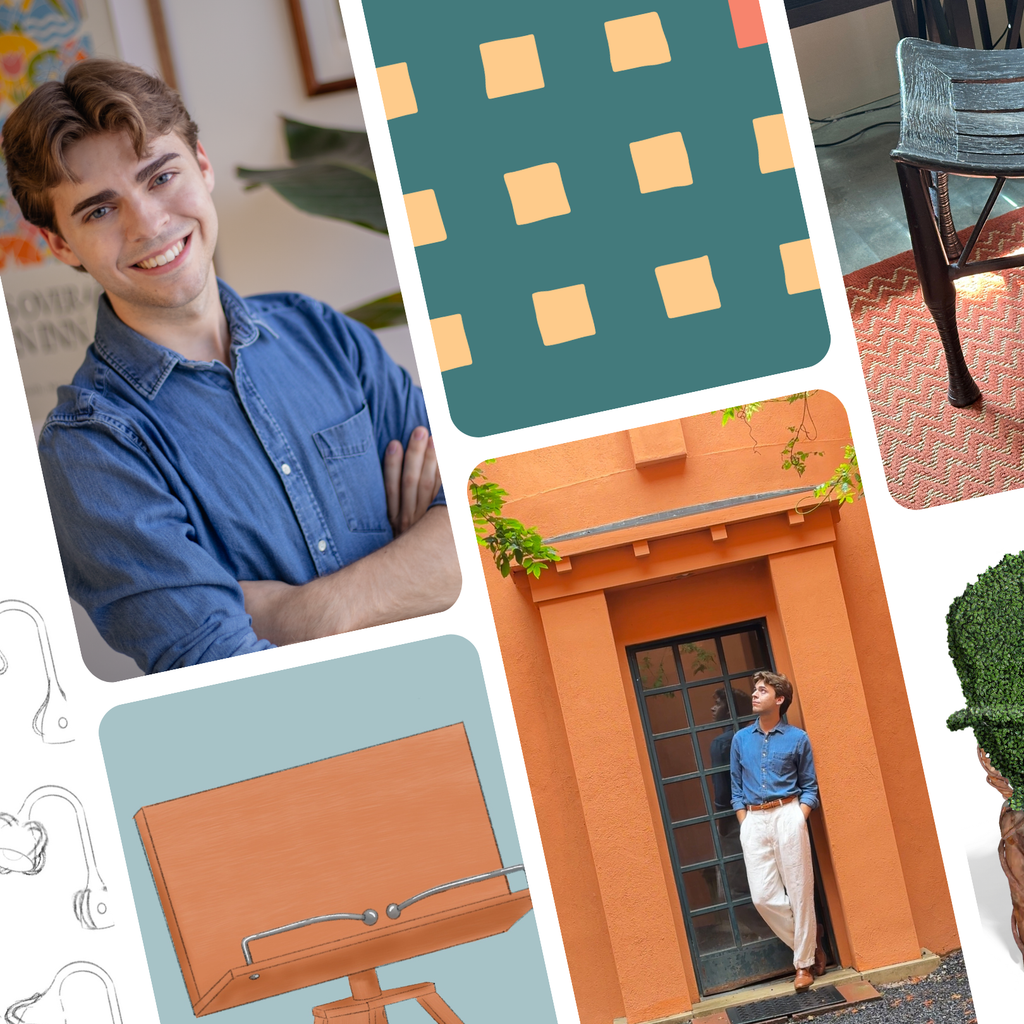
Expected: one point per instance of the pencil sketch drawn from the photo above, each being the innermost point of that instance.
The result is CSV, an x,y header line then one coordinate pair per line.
x,y
209,852
51,722
23,843
48,1007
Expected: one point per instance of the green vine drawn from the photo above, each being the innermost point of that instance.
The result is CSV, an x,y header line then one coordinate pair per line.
x,y
508,540
844,484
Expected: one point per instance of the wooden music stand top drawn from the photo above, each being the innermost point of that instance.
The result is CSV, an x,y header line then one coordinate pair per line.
x,y
362,830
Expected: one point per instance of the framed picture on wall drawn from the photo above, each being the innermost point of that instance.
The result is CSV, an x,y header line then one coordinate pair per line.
x,y
323,48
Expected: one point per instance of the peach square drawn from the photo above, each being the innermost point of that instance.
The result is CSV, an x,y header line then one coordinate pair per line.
x,y
798,263
396,90
636,42
687,287
536,193
563,314
511,66
773,153
424,217
661,162
451,342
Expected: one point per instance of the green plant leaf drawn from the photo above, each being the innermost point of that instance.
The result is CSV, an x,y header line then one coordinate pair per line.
x,y
329,190
387,311
311,143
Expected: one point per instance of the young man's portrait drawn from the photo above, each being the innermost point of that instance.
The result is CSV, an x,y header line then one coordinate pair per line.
x,y
225,473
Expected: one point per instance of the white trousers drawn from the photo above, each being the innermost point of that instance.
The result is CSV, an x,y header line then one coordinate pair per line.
x,y
777,854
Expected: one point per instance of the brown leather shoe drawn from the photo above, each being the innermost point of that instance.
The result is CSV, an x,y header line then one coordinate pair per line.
x,y
803,980
818,968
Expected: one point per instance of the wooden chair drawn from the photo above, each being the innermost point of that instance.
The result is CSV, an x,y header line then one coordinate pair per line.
x,y
960,115
261,881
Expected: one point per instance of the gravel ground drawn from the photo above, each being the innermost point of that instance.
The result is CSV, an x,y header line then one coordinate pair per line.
x,y
943,997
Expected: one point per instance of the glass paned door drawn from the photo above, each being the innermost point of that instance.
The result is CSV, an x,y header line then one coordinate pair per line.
x,y
694,692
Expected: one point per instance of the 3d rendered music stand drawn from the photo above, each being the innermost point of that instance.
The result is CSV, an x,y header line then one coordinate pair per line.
x,y
262,881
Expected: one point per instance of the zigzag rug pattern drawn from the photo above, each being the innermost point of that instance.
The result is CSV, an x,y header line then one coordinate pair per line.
x,y
934,453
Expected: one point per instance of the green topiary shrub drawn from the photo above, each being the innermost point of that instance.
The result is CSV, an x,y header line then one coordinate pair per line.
x,y
986,643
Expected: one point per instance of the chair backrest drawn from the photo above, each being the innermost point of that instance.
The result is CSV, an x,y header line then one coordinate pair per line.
x,y
361,830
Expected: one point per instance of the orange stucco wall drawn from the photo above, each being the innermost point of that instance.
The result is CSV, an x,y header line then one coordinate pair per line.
x,y
817,584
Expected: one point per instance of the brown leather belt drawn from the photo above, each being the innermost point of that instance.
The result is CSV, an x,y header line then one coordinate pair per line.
x,y
771,803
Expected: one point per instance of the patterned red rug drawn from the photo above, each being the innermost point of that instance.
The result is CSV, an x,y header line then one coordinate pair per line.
x,y
933,453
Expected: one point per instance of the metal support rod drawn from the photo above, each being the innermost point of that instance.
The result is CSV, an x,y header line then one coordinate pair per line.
x,y
989,203
368,917
394,910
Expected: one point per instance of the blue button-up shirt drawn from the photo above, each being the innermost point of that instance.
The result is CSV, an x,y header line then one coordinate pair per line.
x,y
772,767
171,479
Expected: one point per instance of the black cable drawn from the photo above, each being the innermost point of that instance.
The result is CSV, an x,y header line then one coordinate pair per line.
x,y
825,145
856,113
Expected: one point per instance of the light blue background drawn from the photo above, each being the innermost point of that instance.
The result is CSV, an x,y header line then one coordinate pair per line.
x,y
179,744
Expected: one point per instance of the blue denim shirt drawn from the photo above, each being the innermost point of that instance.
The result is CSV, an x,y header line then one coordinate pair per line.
x,y
171,479
772,767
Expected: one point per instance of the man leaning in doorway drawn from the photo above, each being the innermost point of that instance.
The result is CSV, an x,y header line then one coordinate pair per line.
x,y
774,790
225,473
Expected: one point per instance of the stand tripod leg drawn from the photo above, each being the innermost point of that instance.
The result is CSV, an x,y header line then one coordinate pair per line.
x,y
438,1009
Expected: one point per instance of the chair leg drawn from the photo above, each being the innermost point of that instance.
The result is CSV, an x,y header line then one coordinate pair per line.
x,y
947,229
936,283
438,1009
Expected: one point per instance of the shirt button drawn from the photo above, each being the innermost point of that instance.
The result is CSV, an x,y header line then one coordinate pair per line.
x,y
285,468
322,546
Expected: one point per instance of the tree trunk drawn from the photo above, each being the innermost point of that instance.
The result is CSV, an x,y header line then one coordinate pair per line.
x,y
1011,847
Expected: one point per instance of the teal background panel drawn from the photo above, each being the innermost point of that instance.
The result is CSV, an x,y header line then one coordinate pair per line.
x,y
460,144
183,743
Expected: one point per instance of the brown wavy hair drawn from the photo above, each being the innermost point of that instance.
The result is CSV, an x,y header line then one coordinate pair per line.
x,y
780,684
96,96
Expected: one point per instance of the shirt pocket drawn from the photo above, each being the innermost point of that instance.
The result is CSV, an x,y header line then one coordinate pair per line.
x,y
350,455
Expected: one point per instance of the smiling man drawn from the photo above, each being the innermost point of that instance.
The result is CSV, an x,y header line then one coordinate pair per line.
x,y
225,474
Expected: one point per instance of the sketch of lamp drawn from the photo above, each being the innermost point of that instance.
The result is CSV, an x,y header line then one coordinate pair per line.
x,y
23,843
48,1007
51,722
260,880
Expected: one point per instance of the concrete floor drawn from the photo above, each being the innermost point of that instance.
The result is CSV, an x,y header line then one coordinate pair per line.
x,y
863,192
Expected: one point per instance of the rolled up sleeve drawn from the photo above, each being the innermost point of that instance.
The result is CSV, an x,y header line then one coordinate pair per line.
x,y
130,555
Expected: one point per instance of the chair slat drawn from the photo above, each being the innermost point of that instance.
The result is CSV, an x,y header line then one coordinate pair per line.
x,y
974,123
998,96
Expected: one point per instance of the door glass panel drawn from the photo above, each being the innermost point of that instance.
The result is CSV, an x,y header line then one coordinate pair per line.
x,y
675,756
708,704
704,887
752,926
657,668
713,932
694,843
743,652
715,745
720,790
667,711
741,688
685,800
700,660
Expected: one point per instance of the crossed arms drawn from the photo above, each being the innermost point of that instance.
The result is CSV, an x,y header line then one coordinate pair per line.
x,y
417,573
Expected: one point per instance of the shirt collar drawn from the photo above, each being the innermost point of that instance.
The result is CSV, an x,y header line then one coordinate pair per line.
x,y
780,727
144,364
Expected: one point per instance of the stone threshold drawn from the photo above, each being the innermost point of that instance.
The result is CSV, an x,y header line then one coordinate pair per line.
x,y
714,1007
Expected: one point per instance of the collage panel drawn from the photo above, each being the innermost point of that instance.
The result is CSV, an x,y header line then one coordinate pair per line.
x,y
342,820
542,149
206,456
921,165
685,567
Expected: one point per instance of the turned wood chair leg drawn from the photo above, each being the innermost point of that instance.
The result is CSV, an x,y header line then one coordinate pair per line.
x,y
947,229
438,1009
936,283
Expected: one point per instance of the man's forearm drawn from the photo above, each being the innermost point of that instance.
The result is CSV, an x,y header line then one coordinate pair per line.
x,y
417,573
